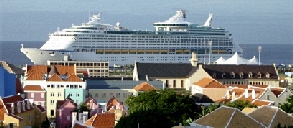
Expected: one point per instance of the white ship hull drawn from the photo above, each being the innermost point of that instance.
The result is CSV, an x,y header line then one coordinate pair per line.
x,y
172,41
38,56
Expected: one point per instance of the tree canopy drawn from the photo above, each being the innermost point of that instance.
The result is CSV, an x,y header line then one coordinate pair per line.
x,y
240,104
287,107
159,108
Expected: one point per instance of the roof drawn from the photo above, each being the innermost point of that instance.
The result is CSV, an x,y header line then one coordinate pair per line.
x,y
119,84
209,83
112,102
228,117
248,110
74,78
11,68
41,108
164,70
104,120
77,125
62,102
55,77
33,88
15,100
277,91
144,86
217,70
271,116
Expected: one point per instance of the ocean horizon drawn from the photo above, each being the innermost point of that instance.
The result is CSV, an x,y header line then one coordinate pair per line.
x,y
270,53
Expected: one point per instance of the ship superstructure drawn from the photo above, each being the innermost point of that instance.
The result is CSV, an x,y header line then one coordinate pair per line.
x,y
172,41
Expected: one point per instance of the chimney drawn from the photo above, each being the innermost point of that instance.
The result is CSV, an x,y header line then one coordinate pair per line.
x,y
227,94
253,94
233,96
12,108
23,105
246,93
80,116
85,115
147,77
193,59
74,114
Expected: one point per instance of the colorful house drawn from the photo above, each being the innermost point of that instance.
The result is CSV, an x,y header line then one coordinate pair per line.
x,y
18,112
58,81
93,106
64,109
36,94
7,82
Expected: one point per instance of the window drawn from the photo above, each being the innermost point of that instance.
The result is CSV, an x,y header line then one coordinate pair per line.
x,y
117,95
52,101
111,95
103,95
250,74
124,95
52,94
10,125
96,95
29,118
77,95
259,75
223,75
59,94
174,83
42,95
32,95
182,84
167,83
70,94
232,74
241,74
68,118
268,97
52,112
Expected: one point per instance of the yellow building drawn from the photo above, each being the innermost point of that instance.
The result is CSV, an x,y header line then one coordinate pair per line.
x,y
18,112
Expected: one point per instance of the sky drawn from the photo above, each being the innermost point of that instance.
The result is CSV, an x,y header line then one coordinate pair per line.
x,y
250,22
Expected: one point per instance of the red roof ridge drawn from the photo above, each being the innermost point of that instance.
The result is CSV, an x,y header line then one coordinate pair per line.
x,y
55,77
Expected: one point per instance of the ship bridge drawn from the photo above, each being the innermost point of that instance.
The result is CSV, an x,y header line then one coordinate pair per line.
x,y
174,23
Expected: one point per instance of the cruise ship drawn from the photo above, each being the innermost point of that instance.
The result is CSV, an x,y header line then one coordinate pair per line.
x,y
171,41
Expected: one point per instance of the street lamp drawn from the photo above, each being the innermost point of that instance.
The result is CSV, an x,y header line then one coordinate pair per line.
x,y
210,44
259,50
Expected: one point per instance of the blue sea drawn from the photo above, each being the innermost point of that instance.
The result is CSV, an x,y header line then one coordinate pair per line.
x,y
270,53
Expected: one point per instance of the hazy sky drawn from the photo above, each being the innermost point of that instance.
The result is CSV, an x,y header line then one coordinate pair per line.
x,y
252,21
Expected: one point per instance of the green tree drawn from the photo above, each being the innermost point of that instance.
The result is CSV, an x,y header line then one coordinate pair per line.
x,y
208,109
287,107
159,108
240,104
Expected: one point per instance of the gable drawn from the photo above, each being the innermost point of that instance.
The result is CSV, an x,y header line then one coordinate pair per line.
x,y
55,77
74,78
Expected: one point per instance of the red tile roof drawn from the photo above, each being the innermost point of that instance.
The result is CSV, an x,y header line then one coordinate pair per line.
x,y
144,86
74,78
104,120
203,82
33,88
112,102
55,77
15,100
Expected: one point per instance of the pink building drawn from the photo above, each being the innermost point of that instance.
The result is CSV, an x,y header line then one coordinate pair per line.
x,y
63,112
36,94
93,106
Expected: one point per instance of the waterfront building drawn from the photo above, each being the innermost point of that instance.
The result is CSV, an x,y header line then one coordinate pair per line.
x,y
93,68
